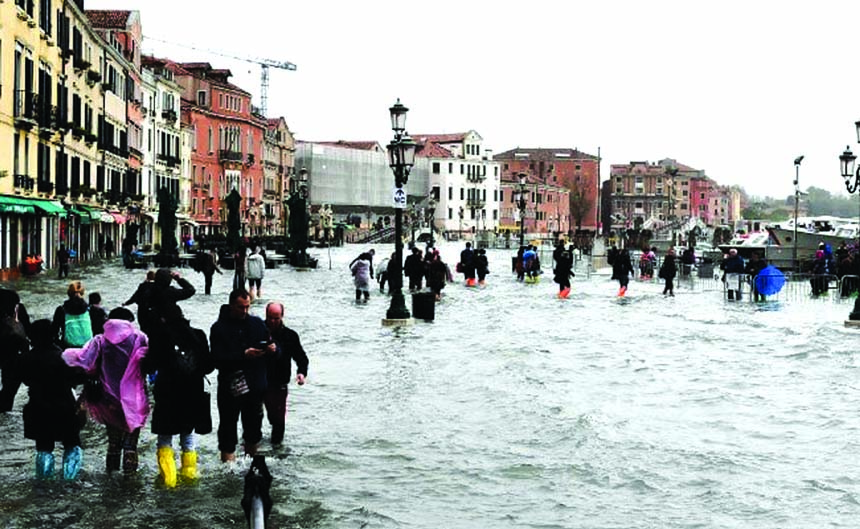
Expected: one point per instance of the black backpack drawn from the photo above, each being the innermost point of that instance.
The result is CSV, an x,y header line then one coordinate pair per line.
x,y
190,355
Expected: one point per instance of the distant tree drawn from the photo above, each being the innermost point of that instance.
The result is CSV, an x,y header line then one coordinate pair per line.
x,y
580,205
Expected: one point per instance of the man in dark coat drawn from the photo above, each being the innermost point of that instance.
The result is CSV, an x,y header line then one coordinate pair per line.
x,y
240,344
413,268
278,369
734,268
755,265
467,264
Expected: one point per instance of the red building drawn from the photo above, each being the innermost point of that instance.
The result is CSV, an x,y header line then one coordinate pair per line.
x,y
227,152
562,187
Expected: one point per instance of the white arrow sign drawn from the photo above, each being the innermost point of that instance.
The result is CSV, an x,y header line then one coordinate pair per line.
x,y
399,198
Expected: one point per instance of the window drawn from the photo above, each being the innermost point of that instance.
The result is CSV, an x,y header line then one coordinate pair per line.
x,y
501,195
210,139
435,167
450,192
450,168
495,214
578,167
450,213
461,169
702,196
201,98
462,193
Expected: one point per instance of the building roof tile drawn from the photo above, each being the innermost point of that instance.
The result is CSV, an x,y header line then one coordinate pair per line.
x,y
358,145
544,154
456,137
108,19
431,150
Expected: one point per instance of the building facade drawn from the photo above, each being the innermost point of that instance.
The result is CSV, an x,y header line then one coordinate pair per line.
x,y
562,193
278,160
464,181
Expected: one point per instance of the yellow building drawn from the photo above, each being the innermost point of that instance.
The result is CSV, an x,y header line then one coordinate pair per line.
x,y
30,69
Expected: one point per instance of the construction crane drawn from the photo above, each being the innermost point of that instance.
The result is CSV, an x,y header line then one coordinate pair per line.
x,y
264,68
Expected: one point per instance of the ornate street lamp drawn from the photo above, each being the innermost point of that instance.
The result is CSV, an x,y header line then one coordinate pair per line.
x,y
796,206
401,158
851,177
520,199
431,219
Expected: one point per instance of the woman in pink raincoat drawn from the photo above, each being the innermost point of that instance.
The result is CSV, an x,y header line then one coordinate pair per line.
x,y
119,402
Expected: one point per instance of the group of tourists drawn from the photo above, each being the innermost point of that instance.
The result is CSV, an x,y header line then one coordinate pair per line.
x,y
114,361
472,263
417,266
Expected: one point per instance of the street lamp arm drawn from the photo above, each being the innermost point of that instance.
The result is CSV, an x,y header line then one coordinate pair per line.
x,y
852,187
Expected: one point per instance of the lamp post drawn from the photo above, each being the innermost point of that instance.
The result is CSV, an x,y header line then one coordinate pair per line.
x,y
431,219
672,171
520,199
852,185
401,158
796,205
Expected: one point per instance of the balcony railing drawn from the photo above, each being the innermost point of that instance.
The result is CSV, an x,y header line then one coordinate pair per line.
x,y
475,202
26,108
229,156
24,182
44,186
169,115
477,178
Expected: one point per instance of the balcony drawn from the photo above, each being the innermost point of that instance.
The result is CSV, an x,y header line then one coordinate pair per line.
x,y
250,160
24,182
47,118
475,202
93,77
44,186
475,178
80,63
26,109
172,161
169,115
229,156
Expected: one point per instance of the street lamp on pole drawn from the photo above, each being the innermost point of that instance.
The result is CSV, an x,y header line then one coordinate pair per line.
x,y
401,158
672,171
431,219
852,185
796,206
520,199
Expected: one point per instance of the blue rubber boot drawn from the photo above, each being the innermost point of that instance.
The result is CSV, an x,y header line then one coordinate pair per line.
x,y
72,462
44,465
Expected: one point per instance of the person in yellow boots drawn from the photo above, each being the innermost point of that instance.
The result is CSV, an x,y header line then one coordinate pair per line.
x,y
179,358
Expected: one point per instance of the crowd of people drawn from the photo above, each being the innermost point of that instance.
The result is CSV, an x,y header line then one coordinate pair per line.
x,y
91,364
418,267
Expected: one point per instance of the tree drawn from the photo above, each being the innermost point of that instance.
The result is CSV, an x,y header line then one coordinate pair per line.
x,y
580,205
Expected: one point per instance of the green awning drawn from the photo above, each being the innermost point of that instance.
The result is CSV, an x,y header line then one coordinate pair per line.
x,y
15,205
95,213
51,207
84,215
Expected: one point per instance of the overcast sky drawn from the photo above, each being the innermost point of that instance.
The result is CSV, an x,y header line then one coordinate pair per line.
x,y
737,88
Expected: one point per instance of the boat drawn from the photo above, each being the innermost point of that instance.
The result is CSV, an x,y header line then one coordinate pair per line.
x,y
764,244
812,231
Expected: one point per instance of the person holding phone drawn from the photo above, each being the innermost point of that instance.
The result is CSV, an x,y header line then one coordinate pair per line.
x,y
278,369
240,348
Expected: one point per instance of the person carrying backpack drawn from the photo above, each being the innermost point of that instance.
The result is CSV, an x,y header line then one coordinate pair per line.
x,y
181,356
72,324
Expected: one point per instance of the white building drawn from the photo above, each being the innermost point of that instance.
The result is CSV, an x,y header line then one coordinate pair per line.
x,y
162,157
464,181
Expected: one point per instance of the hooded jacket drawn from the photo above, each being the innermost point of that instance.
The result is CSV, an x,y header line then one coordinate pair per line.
x,y
114,358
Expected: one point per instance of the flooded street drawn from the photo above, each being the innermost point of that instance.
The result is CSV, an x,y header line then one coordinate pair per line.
x,y
514,409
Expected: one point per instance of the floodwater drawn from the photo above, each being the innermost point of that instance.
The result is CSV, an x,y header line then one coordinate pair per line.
x,y
513,409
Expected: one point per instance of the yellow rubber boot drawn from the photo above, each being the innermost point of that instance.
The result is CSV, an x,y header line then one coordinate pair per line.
x,y
189,465
167,466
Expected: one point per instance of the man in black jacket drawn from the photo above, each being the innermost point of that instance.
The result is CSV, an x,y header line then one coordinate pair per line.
x,y
279,369
240,346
